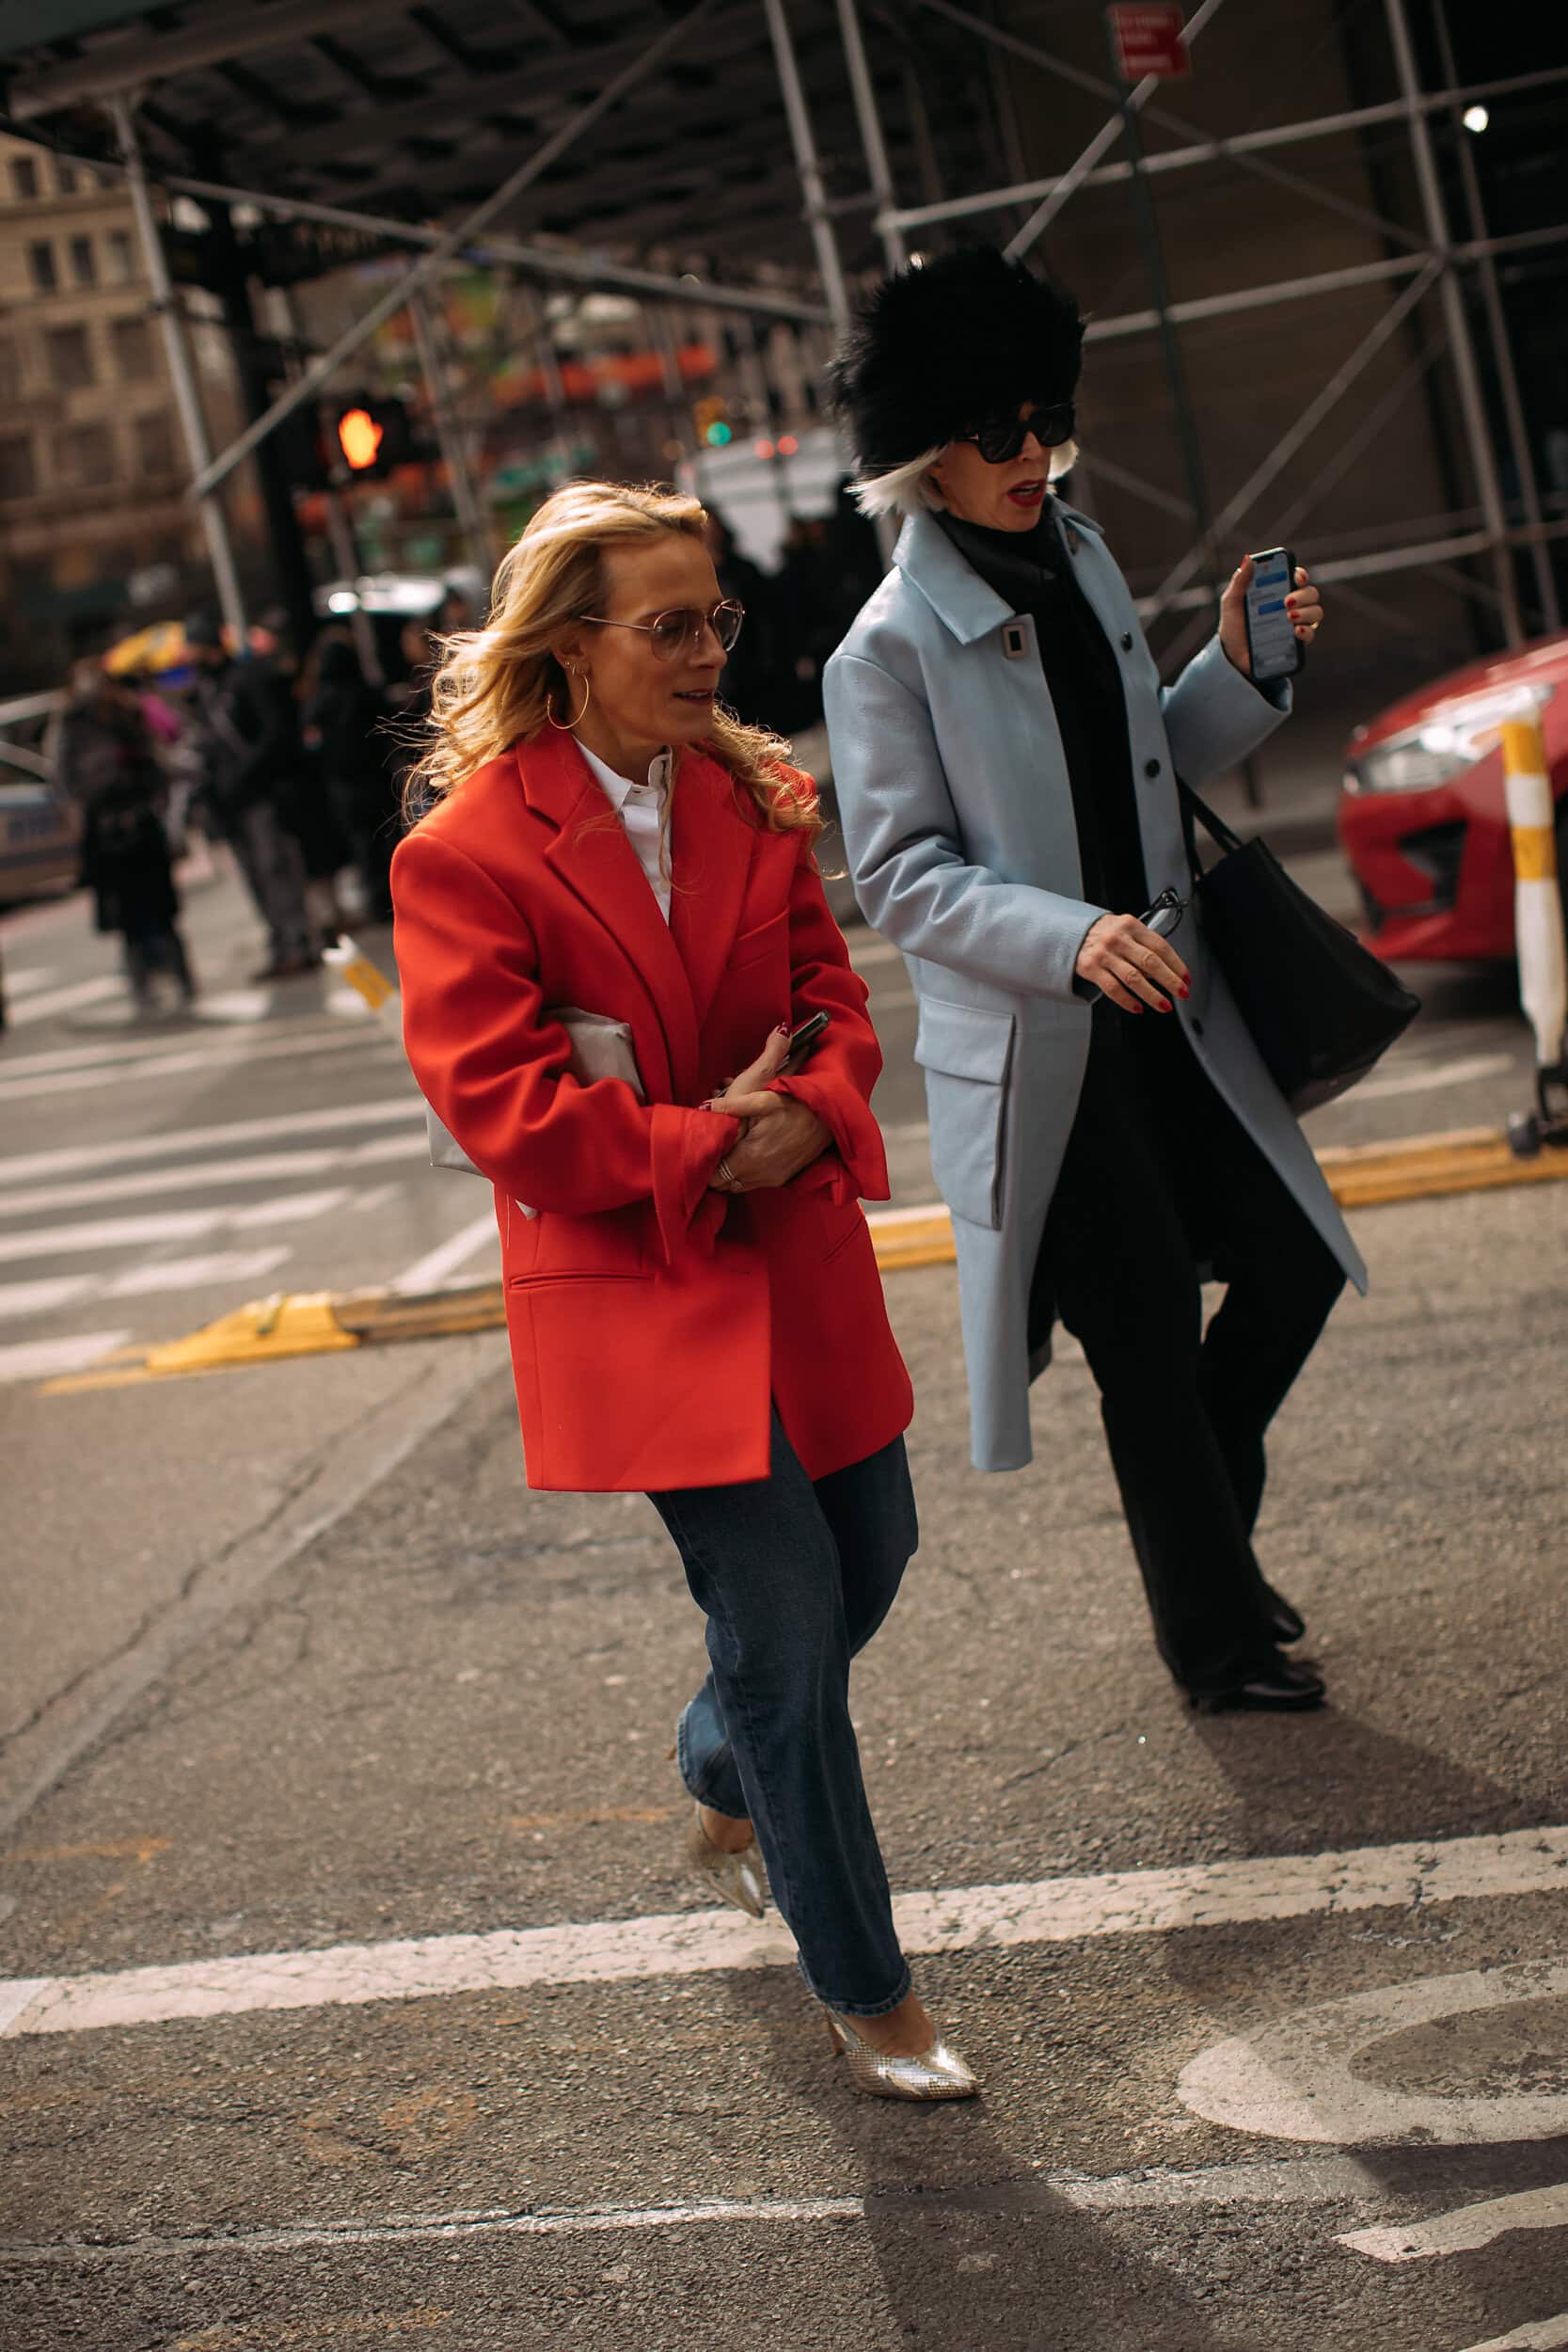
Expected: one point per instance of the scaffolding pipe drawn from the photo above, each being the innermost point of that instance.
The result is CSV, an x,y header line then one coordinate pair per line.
x,y
1307,423
1502,349
1123,123
1305,289
808,166
449,244
879,170
1466,375
187,398
1226,151
465,497
540,261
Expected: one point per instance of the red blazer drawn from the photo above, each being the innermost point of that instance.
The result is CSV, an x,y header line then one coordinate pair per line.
x,y
651,1319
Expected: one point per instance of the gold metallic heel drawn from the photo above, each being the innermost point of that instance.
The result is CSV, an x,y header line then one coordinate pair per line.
x,y
737,1878
937,2073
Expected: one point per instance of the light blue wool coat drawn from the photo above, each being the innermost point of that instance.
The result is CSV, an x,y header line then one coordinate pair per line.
x,y
957,820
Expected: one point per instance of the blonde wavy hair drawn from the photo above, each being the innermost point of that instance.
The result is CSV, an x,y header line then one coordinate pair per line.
x,y
497,684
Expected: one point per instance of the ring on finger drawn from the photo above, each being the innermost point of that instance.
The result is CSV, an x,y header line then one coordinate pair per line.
x,y
725,1173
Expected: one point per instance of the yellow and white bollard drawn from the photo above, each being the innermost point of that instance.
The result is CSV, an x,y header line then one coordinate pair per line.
x,y
1538,924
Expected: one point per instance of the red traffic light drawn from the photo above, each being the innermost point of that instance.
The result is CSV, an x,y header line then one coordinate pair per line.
x,y
359,437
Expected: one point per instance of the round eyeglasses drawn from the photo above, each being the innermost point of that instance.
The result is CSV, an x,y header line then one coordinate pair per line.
x,y
680,630
1000,438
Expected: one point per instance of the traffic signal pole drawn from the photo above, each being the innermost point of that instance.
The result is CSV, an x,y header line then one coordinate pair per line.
x,y
345,555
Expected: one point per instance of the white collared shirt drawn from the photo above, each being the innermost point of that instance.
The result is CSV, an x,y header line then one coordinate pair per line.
x,y
641,809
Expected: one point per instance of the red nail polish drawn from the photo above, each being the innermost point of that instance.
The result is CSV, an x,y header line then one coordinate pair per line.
x,y
781,1029
1184,990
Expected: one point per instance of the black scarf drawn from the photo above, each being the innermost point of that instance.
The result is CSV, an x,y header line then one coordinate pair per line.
x,y
1034,574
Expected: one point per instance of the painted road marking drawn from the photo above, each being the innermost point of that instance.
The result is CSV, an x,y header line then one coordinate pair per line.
x,y
206,1056
1297,2078
1052,1911
51,1359
140,1281
48,1002
29,982
1464,1072
1467,2230
1541,2335
142,1044
1319,2181
261,1168
431,1271
118,1232
77,1159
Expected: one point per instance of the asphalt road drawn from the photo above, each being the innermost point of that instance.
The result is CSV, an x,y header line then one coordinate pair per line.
x,y
299,1668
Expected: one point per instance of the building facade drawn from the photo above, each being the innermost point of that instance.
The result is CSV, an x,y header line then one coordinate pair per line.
x,y
96,534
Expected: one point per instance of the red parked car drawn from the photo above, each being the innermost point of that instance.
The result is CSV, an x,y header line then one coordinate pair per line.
x,y
1422,819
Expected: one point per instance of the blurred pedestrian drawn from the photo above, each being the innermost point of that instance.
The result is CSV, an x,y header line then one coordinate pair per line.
x,y
801,607
751,687
105,760
1006,759
345,719
254,782
694,1296
409,726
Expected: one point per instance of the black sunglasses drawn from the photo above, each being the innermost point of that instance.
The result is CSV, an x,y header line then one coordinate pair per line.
x,y
1000,438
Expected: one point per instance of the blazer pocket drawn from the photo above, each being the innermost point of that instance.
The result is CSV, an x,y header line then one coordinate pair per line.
x,y
749,946
966,1052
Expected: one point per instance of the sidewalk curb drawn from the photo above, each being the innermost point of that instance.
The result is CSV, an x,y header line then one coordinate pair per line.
x,y
1366,1175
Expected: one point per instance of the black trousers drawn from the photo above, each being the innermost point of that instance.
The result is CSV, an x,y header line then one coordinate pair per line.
x,y
1159,1185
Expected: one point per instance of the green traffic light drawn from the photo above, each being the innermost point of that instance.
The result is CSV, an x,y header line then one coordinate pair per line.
x,y
719,433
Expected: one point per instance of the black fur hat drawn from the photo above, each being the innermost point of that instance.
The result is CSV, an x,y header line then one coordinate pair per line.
x,y
944,345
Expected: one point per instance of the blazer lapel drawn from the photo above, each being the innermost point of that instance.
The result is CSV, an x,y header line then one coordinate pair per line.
x,y
591,855
712,852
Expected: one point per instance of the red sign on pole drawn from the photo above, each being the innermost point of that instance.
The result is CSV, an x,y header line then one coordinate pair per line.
x,y
1148,38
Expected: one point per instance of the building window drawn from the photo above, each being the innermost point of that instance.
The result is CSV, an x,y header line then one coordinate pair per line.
x,y
155,443
41,262
10,374
18,474
85,456
133,342
122,260
25,179
69,356
84,262
67,178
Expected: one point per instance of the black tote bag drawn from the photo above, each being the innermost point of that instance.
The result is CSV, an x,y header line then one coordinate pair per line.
x,y
1322,1009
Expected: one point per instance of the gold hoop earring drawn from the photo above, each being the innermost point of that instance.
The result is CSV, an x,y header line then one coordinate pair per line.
x,y
566,726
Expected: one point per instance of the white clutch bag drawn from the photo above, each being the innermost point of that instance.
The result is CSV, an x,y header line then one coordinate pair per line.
x,y
601,1048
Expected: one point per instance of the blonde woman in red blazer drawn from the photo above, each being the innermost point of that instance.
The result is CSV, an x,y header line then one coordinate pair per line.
x,y
692,1297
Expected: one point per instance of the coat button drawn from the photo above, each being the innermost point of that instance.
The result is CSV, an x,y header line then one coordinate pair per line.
x,y
1151,767
1127,641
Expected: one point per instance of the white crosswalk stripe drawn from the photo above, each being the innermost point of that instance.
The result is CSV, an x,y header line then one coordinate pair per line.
x,y
139,1236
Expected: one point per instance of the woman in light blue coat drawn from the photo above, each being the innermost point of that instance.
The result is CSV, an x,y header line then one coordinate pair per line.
x,y
1103,1129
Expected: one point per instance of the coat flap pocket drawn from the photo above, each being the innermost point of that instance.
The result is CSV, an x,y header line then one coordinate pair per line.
x,y
964,1041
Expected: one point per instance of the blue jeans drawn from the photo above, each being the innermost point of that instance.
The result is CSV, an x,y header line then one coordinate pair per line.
x,y
794,1577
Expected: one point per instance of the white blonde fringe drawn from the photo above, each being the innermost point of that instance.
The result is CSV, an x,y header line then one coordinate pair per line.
x,y
907,489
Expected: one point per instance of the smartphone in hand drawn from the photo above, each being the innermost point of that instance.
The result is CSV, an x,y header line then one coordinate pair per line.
x,y
803,1043
1274,648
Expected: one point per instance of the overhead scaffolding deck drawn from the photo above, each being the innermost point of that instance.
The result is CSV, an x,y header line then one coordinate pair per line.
x,y
762,158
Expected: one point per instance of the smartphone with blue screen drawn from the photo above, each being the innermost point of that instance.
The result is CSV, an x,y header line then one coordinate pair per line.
x,y
1275,650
